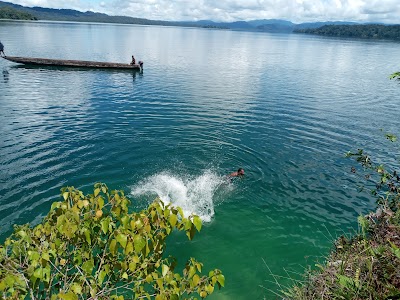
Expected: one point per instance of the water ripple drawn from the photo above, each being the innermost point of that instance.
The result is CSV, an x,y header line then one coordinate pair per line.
x,y
286,113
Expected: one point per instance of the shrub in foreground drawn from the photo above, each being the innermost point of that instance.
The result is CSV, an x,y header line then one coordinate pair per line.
x,y
92,247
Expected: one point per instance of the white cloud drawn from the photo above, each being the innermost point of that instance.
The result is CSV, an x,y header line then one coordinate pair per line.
x,y
235,10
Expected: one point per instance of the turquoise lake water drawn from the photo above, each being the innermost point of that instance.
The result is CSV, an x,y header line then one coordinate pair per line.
x,y
286,108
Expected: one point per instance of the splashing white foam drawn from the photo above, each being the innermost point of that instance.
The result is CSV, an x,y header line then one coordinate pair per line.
x,y
192,195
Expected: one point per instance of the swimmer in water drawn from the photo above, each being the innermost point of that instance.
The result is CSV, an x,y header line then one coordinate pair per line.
x,y
238,173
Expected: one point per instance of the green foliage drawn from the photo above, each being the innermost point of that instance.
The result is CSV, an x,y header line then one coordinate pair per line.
x,y
92,247
386,181
14,14
395,76
370,31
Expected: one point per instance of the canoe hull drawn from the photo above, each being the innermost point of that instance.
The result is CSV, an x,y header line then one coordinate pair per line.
x,y
71,63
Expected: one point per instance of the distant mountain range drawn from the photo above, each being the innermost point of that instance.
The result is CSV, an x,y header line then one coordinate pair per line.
x,y
272,25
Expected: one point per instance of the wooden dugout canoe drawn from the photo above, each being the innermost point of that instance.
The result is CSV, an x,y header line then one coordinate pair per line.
x,y
71,63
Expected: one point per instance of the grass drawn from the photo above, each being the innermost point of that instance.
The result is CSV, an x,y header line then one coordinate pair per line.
x,y
366,266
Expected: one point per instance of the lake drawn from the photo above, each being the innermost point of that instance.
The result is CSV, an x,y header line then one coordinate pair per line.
x,y
286,108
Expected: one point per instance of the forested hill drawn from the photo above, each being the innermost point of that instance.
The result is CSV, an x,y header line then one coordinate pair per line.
x,y
41,13
370,31
13,14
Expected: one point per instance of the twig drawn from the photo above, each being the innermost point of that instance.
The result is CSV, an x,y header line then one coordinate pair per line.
x,y
276,281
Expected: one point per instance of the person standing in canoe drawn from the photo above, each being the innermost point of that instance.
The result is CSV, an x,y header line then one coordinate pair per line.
x,y
2,50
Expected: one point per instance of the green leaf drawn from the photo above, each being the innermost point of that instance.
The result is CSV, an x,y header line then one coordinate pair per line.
x,y
96,192
139,243
45,256
188,224
395,249
149,278
77,259
180,210
65,195
104,225
164,269
197,222
80,204
196,279
209,288
68,296
87,236
38,273
101,277
76,288
122,239
88,267
3,285
166,212
173,219
55,205
345,282
129,248
198,266
10,280
22,234
190,234
33,255
221,279
132,266
100,201
125,221
192,271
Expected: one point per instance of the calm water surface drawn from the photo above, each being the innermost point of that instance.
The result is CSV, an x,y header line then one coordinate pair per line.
x,y
284,107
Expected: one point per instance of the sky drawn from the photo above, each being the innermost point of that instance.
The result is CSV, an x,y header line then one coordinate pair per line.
x,y
297,11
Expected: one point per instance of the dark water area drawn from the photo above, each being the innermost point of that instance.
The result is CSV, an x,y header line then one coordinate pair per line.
x,y
286,108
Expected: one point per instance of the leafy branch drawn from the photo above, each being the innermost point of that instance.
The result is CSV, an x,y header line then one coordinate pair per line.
x,y
92,247
386,180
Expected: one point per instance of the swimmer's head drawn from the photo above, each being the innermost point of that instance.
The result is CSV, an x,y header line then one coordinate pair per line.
x,y
240,171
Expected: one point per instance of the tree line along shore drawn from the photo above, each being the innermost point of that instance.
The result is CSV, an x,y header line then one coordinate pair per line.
x,y
8,13
370,31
